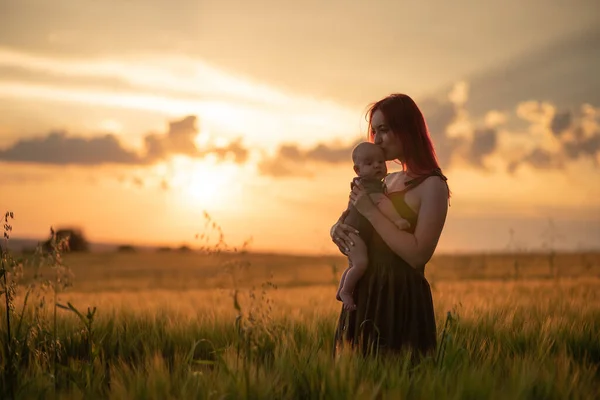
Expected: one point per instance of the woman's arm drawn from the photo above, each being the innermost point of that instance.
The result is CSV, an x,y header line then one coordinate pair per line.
x,y
416,249
340,234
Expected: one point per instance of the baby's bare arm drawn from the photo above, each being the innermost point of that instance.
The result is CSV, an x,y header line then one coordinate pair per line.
x,y
387,208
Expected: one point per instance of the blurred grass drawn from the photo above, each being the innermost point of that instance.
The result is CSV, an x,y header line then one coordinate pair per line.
x,y
167,327
190,271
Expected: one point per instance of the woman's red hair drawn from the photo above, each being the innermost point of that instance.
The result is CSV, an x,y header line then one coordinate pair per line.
x,y
406,121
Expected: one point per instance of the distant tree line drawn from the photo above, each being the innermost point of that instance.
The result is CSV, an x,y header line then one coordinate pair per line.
x,y
75,238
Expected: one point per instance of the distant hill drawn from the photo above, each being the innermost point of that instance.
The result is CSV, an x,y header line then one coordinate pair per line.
x,y
19,244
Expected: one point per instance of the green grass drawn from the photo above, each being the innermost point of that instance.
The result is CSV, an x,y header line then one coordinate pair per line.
x,y
185,326
162,355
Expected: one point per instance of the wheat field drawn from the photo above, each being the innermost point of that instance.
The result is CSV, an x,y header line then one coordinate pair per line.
x,y
184,325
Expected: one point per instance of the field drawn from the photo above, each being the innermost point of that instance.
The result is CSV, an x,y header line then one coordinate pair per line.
x,y
184,325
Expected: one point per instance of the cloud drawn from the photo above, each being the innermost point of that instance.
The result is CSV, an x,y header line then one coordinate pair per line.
x,y
563,136
439,115
58,148
262,41
291,160
588,147
464,131
277,168
564,73
179,139
539,159
234,150
484,143
552,139
560,122
453,133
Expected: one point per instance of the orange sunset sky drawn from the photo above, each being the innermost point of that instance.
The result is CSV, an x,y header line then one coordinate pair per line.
x,y
132,118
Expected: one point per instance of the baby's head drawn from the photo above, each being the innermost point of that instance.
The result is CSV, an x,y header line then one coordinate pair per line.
x,y
369,161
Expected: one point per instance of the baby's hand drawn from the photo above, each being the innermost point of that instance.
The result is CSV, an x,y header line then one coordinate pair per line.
x,y
401,223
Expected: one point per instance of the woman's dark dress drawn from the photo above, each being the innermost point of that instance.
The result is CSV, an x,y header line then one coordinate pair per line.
x,y
394,307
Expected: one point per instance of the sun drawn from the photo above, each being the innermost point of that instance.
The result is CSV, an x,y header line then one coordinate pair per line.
x,y
205,183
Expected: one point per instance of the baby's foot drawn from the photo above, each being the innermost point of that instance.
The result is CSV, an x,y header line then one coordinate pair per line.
x,y
337,295
348,300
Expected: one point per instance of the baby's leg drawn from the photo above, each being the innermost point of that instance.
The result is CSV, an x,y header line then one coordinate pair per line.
x,y
342,280
386,206
360,260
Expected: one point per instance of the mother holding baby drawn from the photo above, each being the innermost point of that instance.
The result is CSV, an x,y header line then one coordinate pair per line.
x,y
393,303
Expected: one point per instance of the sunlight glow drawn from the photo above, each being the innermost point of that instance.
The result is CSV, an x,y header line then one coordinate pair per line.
x,y
203,183
111,126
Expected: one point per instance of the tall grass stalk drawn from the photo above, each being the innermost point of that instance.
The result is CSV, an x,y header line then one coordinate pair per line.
x,y
8,291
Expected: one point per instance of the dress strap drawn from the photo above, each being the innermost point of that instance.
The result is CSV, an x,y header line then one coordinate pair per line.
x,y
435,172
410,184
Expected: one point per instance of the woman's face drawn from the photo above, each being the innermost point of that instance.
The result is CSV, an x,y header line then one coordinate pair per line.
x,y
385,138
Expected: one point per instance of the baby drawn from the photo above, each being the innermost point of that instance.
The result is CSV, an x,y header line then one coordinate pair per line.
x,y
369,165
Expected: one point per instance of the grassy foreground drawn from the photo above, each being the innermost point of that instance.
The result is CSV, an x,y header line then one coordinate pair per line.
x,y
183,326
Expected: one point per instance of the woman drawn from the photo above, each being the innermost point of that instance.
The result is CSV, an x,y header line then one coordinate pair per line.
x,y
394,307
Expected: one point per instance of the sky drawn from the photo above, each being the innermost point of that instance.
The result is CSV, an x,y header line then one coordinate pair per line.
x,y
132,119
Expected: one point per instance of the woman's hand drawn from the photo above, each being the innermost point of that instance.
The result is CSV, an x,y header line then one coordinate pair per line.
x,y
361,200
340,234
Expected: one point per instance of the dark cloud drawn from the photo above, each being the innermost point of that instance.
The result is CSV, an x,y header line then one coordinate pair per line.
x,y
564,73
439,115
543,159
484,143
290,152
179,139
234,150
560,122
193,28
578,137
539,159
577,133
292,160
569,129
58,148
330,154
278,168
586,147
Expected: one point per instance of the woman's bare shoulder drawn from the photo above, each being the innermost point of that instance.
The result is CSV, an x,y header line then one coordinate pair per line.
x,y
434,186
